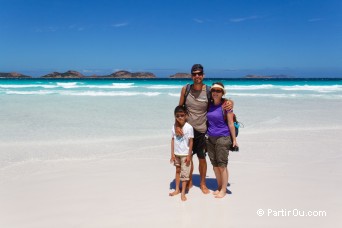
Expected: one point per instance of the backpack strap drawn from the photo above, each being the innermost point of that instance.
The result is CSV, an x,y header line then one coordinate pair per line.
x,y
208,93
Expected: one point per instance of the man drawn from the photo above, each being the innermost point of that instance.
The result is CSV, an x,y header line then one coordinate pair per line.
x,y
196,102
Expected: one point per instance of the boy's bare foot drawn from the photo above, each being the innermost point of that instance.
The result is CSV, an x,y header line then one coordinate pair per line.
x,y
204,189
216,192
183,197
189,185
174,193
220,195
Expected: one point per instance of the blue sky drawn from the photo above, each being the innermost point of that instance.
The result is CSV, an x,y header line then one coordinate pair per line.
x,y
300,38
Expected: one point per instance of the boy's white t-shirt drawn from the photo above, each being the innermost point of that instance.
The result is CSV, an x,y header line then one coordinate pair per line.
x,y
182,142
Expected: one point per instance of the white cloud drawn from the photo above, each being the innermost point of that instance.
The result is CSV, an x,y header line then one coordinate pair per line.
x,y
201,21
88,71
242,19
120,25
61,28
76,27
198,20
122,69
52,29
314,19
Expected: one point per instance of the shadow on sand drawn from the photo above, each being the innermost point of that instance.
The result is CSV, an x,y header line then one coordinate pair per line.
x,y
196,179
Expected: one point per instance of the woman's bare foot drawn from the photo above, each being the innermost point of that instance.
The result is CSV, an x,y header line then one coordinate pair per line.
x,y
176,192
216,192
183,197
220,194
204,189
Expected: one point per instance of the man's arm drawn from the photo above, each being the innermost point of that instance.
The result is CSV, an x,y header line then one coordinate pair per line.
x,y
178,129
181,98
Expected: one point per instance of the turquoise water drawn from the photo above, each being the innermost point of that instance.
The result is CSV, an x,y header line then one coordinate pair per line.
x,y
276,88
67,119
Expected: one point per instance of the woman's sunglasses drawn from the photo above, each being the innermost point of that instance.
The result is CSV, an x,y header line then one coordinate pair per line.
x,y
216,91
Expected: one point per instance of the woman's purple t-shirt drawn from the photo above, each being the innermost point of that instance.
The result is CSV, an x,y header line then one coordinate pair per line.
x,y
216,122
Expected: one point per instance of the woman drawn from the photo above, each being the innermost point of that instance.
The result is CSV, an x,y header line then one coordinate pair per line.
x,y
221,136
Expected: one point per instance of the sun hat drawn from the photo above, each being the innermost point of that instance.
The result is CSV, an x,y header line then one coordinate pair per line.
x,y
218,86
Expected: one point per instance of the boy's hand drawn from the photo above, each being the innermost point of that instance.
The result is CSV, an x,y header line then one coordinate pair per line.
x,y
188,160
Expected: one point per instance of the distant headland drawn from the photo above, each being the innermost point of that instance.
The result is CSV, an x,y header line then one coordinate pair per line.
x,y
75,75
180,75
71,74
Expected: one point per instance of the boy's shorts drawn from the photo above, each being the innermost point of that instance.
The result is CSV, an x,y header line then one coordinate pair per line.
x,y
185,169
199,144
218,150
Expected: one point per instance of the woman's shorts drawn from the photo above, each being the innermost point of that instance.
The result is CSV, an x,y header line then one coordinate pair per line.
x,y
218,150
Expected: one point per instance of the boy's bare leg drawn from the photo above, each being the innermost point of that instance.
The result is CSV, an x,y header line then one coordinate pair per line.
x,y
177,179
183,197
203,172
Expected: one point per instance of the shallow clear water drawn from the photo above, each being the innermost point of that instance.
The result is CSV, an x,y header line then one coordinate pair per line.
x,y
280,88
73,119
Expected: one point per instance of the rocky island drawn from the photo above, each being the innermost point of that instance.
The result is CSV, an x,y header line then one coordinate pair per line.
x,y
180,75
13,75
68,74
77,75
71,74
127,74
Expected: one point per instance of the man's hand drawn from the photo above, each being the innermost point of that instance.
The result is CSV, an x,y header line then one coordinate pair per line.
x,y
179,131
228,105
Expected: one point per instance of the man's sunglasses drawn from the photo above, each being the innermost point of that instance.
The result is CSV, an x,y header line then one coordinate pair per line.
x,y
197,74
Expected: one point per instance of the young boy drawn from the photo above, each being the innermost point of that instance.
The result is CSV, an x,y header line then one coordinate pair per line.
x,y
181,151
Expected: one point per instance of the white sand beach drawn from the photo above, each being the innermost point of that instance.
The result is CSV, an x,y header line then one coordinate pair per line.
x,y
107,165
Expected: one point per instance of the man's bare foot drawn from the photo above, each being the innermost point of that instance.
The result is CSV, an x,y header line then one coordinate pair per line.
x,y
216,192
220,195
183,197
204,189
174,193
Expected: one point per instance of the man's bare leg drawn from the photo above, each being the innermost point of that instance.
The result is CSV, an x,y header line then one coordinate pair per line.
x,y
203,173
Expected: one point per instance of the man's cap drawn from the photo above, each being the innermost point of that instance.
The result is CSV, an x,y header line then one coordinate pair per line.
x,y
197,67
